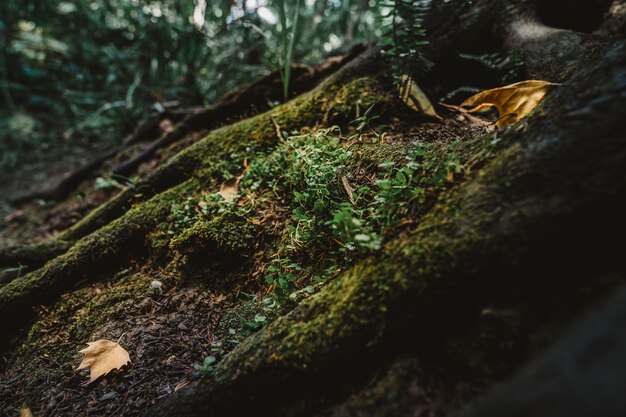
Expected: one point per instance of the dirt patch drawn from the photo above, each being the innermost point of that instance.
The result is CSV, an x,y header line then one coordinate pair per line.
x,y
165,334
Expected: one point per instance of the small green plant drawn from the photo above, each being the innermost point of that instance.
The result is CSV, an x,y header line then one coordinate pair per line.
x,y
282,273
214,204
184,214
304,172
228,168
308,173
406,36
351,227
397,189
364,121
208,364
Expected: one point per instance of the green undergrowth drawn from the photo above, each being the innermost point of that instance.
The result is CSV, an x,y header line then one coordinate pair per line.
x,y
344,198
332,200
352,312
222,152
307,209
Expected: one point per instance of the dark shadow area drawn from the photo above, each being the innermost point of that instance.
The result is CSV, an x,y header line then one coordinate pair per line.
x,y
578,15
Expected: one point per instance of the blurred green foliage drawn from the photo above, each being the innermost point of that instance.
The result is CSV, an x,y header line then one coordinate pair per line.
x,y
405,36
74,74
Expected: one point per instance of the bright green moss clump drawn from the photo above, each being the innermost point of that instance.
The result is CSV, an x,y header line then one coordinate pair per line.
x,y
224,236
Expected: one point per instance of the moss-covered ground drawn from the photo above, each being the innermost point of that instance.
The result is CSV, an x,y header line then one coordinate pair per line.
x,y
293,241
304,211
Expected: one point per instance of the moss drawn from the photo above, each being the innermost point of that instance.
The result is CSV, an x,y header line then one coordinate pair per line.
x,y
108,229
239,141
91,257
227,235
369,283
351,314
354,98
351,310
335,101
355,301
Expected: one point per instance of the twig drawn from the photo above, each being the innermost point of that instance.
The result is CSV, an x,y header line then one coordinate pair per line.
x,y
349,190
279,133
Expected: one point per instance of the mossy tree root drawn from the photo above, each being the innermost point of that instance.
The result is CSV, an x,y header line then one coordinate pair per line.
x,y
552,195
31,255
21,259
111,234
490,21
251,98
231,107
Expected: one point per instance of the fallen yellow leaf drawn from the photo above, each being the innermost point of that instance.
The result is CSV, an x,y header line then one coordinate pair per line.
x,y
103,356
415,98
25,412
513,102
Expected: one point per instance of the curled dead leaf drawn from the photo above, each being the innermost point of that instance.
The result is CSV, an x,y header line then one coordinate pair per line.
x,y
513,102
103,356
415,98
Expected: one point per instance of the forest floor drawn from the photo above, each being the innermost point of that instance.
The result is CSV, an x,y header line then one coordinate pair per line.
x,y
170,325
338,254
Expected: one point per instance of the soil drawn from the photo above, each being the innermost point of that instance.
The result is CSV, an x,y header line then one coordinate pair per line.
x,y
166,331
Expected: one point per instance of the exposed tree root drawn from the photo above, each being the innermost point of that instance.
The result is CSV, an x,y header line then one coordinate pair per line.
x,y
233,106
239,103
107,236
245,101
539,189
32,255
487,27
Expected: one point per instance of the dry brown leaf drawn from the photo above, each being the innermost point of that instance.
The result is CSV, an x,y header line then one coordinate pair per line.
x,y
229,189
166,125
513,102
103,356
415,98
25,411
